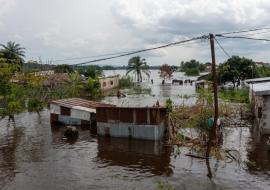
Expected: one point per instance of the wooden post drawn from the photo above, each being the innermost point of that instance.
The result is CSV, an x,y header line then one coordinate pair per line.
x,y
212,44
212,134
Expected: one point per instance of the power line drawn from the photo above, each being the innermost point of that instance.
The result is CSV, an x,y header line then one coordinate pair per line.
x,y
243,37
143,50
244,31
101,55
225,52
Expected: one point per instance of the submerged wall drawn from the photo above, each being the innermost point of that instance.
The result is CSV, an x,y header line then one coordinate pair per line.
x,y
130,130
138,123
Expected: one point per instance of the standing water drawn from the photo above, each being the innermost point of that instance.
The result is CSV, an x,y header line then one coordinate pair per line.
x,y
35,156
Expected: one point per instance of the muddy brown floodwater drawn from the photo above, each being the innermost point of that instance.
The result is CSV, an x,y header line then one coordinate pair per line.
x,y
34,156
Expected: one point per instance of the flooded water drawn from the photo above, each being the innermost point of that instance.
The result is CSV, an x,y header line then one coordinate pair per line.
x,y
180,94
33,155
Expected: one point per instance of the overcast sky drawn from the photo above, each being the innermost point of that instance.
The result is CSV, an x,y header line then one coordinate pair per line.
x,y
60,29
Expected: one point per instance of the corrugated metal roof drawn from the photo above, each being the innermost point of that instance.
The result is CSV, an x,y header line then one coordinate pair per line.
x,y
257,80
261,89
71,102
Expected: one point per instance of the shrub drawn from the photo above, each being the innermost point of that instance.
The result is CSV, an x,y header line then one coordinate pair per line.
x,y
192,72
125,82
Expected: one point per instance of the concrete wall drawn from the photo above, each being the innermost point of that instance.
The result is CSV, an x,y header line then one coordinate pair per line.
x,y
263,121
108,83
129,130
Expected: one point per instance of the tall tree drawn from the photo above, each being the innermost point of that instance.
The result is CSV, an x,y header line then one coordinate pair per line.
x,y
13,51
138,66
236,69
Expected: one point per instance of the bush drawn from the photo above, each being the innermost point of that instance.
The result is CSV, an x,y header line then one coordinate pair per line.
x,y
240,95
126,82
192,72
35,105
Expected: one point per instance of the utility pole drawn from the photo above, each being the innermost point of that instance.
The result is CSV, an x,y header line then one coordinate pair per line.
x,y
212,134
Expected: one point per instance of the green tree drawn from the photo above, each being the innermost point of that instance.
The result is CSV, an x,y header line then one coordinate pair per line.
x,y
63,68
75,84
13,51
138,66
92,71
92,88
236,69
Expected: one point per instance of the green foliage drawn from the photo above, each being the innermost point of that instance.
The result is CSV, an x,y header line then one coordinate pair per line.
x,y
12,51
92,71
262,71
63,68
74,84
240,95
164,186
14,101
138,66
35,105
92,88
236,69
192,67
126,82
192,72
169,105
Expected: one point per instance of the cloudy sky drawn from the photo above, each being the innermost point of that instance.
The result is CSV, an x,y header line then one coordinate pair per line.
x,y
63,29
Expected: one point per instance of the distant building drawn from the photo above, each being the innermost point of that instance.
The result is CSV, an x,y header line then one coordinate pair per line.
x,y
44,73
56,79
260,64
110,82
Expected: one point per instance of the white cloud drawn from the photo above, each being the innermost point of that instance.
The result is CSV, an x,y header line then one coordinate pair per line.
x,y
63,29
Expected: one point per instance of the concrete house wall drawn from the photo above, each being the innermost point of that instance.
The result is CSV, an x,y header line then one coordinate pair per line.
x,y
108,83
259,94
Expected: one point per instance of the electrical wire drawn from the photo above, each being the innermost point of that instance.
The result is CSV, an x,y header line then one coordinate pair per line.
x,y
244,31
143,50
243,37
102,55
222,48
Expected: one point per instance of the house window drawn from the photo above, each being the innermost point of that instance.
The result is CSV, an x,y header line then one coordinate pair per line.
x,y
104,84
111,82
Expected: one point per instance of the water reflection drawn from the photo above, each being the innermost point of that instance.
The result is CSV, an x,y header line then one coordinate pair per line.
x,y
8,146
145,156
259,155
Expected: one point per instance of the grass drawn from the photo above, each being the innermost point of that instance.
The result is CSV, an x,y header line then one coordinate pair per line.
x,y
239,95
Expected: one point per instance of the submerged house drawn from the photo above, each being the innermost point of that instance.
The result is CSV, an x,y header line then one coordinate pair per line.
x,y
132,122
147,123
74,111
259,95
110,82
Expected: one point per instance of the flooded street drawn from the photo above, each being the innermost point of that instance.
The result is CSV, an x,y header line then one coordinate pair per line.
x,y
178,93
33,156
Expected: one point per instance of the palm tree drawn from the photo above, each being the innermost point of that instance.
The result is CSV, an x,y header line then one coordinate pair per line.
x,y
13,51
138,66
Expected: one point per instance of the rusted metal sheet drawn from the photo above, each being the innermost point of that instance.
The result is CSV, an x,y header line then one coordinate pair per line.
x,y
141,116
135,115
71,102
126,115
